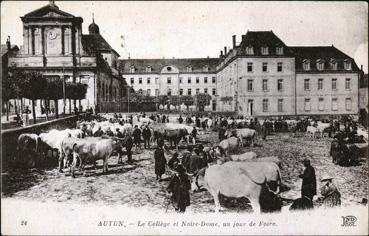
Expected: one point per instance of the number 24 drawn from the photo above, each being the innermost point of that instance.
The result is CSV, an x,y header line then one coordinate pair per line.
x,y
23,222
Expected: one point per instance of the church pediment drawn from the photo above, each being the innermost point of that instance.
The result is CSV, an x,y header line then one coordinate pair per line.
x,y
48,11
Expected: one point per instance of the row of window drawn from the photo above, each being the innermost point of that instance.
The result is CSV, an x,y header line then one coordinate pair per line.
x,y
265,87
181,91
321,83
307,104
205,68
264,50
320,64
169,80
264,67
334,104
266,105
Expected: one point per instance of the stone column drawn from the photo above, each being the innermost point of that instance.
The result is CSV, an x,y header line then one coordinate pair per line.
x,y
62,40
37,37
32,37
25,39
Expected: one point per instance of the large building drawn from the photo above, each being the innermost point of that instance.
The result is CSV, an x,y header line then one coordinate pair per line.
x,y
172,76
54,45
264,77
260,76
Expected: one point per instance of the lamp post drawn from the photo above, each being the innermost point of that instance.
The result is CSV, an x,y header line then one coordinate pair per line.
x,y
63,90
128,92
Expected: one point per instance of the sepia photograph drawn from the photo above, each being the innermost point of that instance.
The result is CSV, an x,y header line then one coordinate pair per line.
x,y
184,118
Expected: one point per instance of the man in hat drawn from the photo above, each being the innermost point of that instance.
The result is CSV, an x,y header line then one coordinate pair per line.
x,y
146,134
160,160
179,186
129,144
137,137
109,132
308,188
99,132
330,193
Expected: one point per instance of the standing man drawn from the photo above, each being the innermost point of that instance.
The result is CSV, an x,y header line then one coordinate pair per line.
x,y
120,147
308,188
160,160
179,186
26,116
180,119
221,133
137,137
146,134
129,144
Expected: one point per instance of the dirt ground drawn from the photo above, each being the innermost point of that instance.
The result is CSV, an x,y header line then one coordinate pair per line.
x,y
134,185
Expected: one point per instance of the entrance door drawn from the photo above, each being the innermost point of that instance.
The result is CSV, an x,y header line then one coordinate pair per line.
x,y
250,107
214,105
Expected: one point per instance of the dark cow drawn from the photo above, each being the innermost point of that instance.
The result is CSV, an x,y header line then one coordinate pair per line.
x,y
174,136
28,149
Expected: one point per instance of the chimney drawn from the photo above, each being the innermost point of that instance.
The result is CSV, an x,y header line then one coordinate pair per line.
x,y
361,67
234,41
8,45
225,51
221,54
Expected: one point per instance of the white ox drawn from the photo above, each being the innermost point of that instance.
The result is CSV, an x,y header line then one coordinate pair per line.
x,y
245,133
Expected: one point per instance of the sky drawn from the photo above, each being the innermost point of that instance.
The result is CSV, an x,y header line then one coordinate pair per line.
x,y
200,29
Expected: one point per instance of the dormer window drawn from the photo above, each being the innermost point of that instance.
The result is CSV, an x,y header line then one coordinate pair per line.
x,y
279,50
249,50
206,68
347,64
132,69
320,64
189,68
148,69
333,64
264,50
306,64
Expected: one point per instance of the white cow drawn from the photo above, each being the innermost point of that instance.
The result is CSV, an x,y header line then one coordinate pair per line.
x,y
311,131
245,133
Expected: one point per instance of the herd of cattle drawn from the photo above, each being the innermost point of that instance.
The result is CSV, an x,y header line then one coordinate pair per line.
x,y
218,167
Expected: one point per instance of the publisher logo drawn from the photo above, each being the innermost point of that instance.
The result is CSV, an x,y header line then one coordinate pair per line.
x,y
348,221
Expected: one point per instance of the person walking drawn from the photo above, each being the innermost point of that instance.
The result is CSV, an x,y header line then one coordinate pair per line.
x,y
308,188
160,160
330,193
146,134
180,186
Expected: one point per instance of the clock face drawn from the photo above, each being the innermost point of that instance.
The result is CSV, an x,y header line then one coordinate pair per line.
x,y
52,34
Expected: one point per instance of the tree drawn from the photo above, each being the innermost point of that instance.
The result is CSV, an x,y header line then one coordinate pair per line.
x,y
175,100
54,91
187,100
33,88
8,92
202,100
162,100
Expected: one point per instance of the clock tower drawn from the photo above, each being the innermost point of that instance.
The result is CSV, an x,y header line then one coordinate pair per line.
x,y
48,31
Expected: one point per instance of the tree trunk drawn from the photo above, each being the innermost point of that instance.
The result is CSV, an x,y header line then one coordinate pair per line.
x,y
7,110
15,106
22,104
74,104
79,105
56,109
34,111
46,109
70,106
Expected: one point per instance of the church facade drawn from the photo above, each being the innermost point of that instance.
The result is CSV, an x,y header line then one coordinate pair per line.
x,y
54,45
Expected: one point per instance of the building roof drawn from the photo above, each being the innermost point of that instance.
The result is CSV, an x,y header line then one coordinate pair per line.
x,y
40,12
156,65
258,39
50,11
96,43
4,48
321,53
